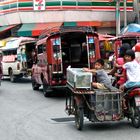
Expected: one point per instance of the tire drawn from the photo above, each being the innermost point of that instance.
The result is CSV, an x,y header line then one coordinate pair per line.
x,y
135,115
46,89
35,86
79,117
12,77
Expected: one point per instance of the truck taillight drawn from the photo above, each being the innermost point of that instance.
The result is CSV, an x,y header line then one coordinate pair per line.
x,y
18,66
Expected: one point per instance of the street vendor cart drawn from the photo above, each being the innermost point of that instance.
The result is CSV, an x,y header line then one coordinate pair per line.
x,y
83,101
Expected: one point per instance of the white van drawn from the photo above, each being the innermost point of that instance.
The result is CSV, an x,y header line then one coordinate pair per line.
x,y
17,57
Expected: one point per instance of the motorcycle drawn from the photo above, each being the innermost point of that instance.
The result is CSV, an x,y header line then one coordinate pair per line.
x,y
132,105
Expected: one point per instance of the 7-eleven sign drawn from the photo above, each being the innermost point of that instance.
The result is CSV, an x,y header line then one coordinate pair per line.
x,y
39,5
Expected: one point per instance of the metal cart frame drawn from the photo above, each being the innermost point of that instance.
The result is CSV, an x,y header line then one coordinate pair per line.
x,y
96,105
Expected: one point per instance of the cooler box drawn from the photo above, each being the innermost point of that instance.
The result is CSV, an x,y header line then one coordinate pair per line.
x,y
79,79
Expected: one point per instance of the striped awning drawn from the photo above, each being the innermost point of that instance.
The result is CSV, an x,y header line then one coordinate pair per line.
x,y
6,28
35,29
84,23
91,23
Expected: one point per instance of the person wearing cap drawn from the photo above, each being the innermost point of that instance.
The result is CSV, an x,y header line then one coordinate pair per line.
x,y
132,68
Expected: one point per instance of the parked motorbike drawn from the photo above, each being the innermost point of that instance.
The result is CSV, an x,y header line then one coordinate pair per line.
x,y
132,108
130,103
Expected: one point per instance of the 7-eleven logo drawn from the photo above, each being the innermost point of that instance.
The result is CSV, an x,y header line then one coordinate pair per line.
x,y
39,4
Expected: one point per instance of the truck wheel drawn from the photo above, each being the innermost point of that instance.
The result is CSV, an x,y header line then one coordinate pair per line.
x,y
12,77
135,116
35,86
79,117
46,89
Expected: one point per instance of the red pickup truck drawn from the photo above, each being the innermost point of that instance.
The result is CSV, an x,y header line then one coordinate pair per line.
x,y
58,48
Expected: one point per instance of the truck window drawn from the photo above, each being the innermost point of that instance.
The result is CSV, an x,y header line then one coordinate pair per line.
x,y
10,52
56,45
56,48
9,55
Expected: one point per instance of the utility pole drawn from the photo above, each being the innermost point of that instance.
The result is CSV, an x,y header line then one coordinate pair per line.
x,y
125,13
117,17
136,2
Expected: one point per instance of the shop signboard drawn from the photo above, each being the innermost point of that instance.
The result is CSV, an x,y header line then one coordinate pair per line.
x,y
39,5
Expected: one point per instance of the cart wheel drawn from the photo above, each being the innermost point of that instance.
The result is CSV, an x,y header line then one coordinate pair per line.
x,y
135,116
79,117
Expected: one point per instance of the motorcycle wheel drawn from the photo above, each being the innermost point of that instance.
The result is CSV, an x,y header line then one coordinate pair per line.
x,y
79,117
135,115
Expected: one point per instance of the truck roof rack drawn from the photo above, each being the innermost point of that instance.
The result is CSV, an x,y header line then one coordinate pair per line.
x,y
64,29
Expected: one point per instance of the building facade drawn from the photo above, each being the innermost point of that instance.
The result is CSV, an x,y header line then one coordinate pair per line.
x,y
98,13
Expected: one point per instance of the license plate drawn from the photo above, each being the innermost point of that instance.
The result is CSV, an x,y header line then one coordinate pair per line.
x,y
137,101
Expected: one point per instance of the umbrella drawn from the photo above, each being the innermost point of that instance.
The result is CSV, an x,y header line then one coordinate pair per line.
x,y
133,27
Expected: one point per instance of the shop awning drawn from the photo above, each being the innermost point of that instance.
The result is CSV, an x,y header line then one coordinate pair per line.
x,y
83,23
34,29
91,23
6,28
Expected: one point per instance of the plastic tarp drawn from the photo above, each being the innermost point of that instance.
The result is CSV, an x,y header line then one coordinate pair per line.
x,y
14,43
133,27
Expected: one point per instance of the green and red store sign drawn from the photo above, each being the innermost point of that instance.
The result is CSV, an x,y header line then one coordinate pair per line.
x,y
29,5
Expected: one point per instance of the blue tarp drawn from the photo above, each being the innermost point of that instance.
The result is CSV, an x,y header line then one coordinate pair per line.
x,y
133,27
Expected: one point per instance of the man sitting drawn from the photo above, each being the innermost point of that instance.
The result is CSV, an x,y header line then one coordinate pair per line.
x,y
102,79
132,68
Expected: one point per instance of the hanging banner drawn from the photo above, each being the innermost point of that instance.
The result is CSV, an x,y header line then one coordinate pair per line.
x,y
39,5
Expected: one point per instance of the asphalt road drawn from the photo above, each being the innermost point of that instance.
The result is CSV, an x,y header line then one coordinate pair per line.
x,y
27,115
